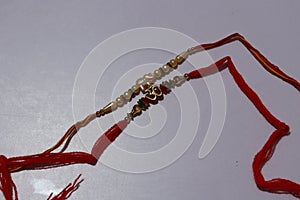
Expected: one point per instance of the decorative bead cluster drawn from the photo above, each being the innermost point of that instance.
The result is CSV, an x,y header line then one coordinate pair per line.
x,y
154,94
147,79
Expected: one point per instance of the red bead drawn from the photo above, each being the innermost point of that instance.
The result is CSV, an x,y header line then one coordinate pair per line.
x,y
145,101
164,89
156,90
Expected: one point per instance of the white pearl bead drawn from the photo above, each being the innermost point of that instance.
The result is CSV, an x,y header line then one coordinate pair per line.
x,y
127,95
135,89
158,73
150,78
176,79
140,81
179,80
172,83
113,105
166,68
120,101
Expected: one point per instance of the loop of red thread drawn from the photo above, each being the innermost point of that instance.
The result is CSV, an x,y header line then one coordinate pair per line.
x,y
270,67
107,138
277,185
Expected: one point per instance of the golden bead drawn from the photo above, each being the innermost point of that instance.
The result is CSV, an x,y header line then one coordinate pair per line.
x,y
107,109
173,63
179,59
136,110
184,54
186,76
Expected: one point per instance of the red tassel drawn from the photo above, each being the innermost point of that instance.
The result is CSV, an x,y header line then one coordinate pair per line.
x,y
67,191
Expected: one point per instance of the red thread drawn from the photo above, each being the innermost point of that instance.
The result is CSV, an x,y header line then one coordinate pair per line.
x,y
67,191
49,160
277,185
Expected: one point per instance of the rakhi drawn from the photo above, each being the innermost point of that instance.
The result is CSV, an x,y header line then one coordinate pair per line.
x,y
152,95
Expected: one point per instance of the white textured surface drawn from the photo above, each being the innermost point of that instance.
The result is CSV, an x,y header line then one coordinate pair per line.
x,y
43,43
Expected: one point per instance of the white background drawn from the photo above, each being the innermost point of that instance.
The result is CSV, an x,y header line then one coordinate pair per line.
x,y
42,45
